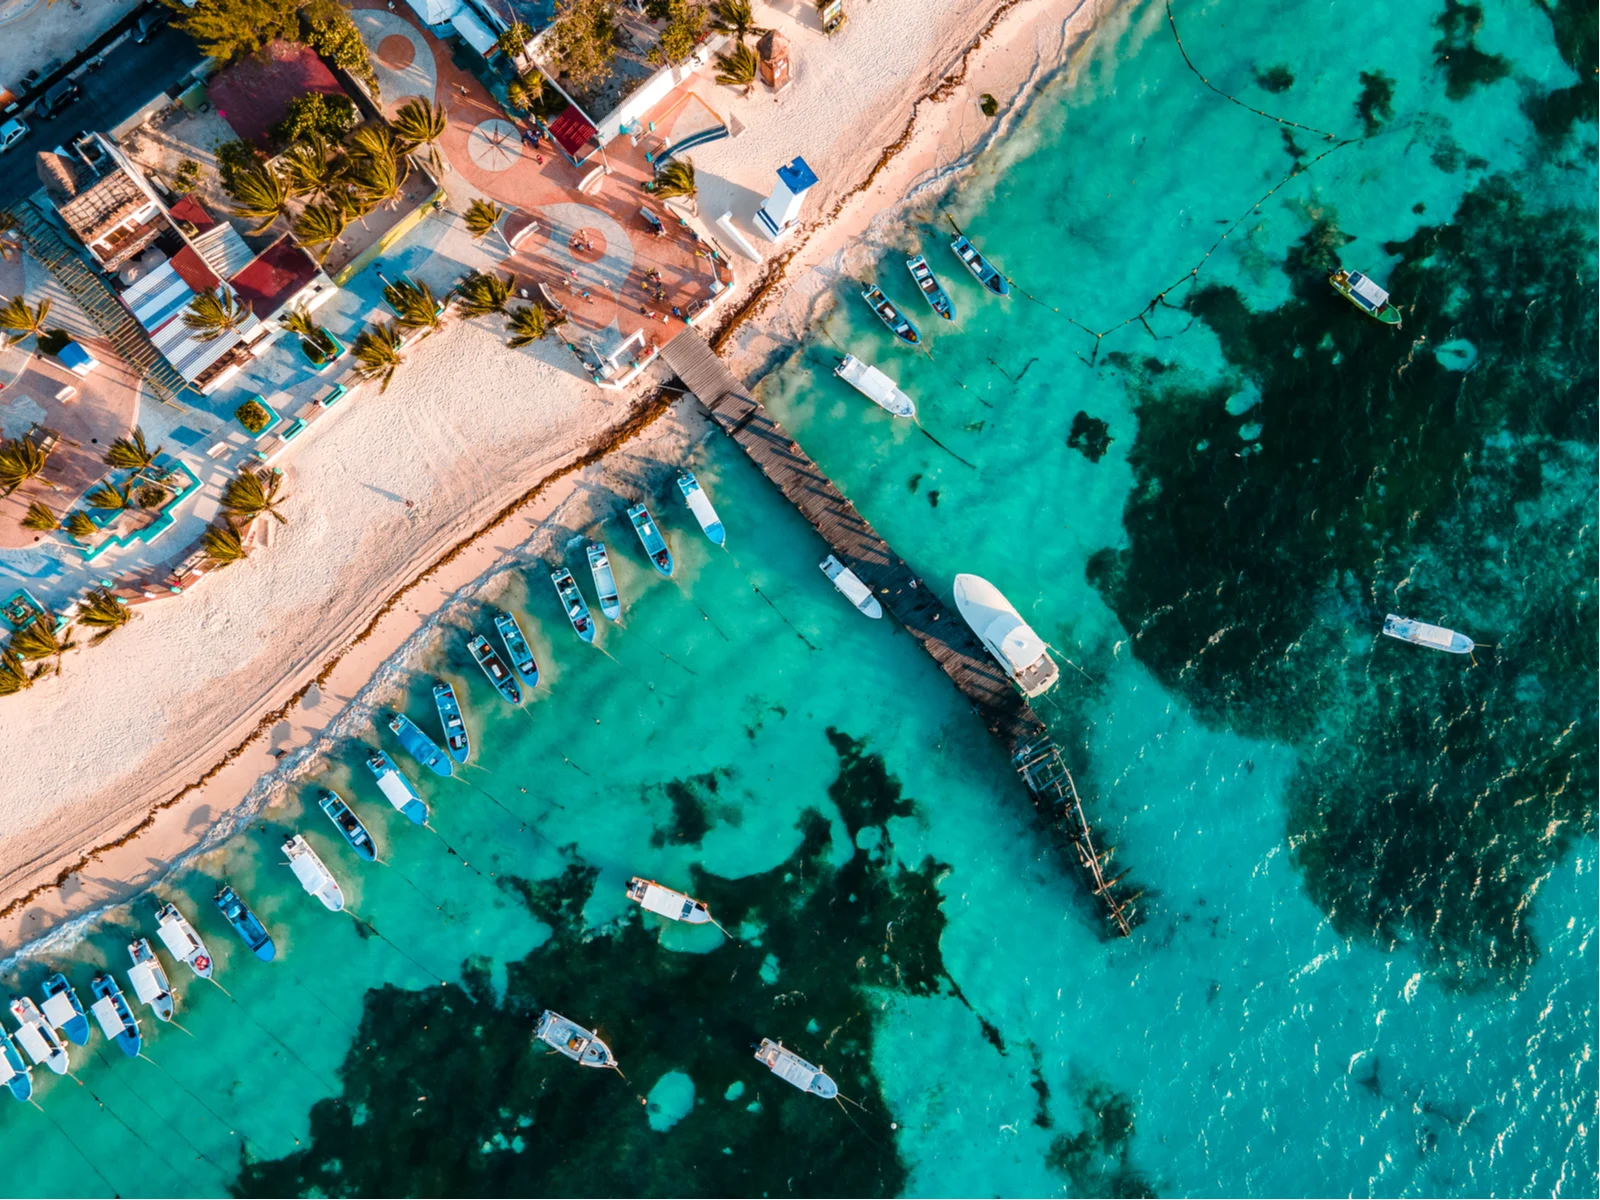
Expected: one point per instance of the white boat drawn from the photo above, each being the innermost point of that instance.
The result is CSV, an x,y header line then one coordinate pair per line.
x,y
1011,640
700,505
313,873
875,386
675,906
149,979
1420,633
36,1036
851,587
582,1046
791,1068
605,583
181,941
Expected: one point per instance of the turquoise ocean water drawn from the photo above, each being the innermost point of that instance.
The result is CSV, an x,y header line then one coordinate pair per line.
x,y
1366,955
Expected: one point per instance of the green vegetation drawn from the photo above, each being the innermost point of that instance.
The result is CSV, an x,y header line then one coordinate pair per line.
x,y
222,545
102,611
187,178
108,497
259,194
41,517
20,321
676,179
513,42
315,114
252,494
231,29
415,305
526,325
316,340
420,124
80,526
131,453
737,68
38,640
686,24
321,225
483,293
252,414
583,38
331,33
14,675
735,17
20,461
378,352
212,314
232,158
482,216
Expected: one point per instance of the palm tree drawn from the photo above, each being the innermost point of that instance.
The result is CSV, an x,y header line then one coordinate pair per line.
x,y
737,68
259,194
378,352
130,453
379,180
481,217
38,640
20,461
483,292
102,611
321,225
312,167
376,140
526,326
223,545
19,322
735,17
14,676
417,306
80,525
41,517
676,179
421,123
252,494
108,497
527,92
213,313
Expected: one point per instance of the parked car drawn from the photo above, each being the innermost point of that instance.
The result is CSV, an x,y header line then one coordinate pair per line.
x,y
12,132
76,359
151,23
57,98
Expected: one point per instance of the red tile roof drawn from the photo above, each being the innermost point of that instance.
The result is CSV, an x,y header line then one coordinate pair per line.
x,y
191,210
254,93
192,269
571,130
274,276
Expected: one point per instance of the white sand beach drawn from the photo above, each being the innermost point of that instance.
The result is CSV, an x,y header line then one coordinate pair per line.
x,y
129,757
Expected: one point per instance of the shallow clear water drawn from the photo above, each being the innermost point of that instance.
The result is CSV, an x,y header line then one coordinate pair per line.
x,y
1366,956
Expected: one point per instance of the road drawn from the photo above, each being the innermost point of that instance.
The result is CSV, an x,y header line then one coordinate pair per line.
x,y
132,76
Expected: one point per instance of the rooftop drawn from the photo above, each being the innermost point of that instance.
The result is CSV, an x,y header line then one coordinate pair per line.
x,y
254,93
276,274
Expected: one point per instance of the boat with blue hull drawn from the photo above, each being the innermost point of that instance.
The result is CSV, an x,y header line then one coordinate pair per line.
x,y
605,583
348,824
655,545
517,650
419,745
37,1036
15,1072
396,788
894,320
938,299
115,1015
245,923
572,600
494,667
982,269
64,1010
451,721
700,505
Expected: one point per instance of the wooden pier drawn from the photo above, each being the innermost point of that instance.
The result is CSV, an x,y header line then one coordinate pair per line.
x,y
943,634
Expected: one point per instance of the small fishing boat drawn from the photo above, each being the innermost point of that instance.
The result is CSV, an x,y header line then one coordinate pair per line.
x,y
115,1014
455,728
15,1073
851,588
791,1068
982,269
572,600
875,386
149,979
700,505
348,824
891,316
65,1011
245,923
396,788
938,298
37,1036
650,537
581,1045
181,941
1365,295
1010,639
495,668
1420,633
517,649
313,873
605,583
675,906
419,745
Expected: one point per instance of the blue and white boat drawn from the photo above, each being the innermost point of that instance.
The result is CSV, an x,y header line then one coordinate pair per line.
x,y
605,583
650,537
938,299
572,601
517,649
419,745
182,942
245,923
149,979
115,1014
396,788
495,668
313,873
700,505
1420,633
982,269
896,321
37,1036
15,1073
348,824
450,719
64,1010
